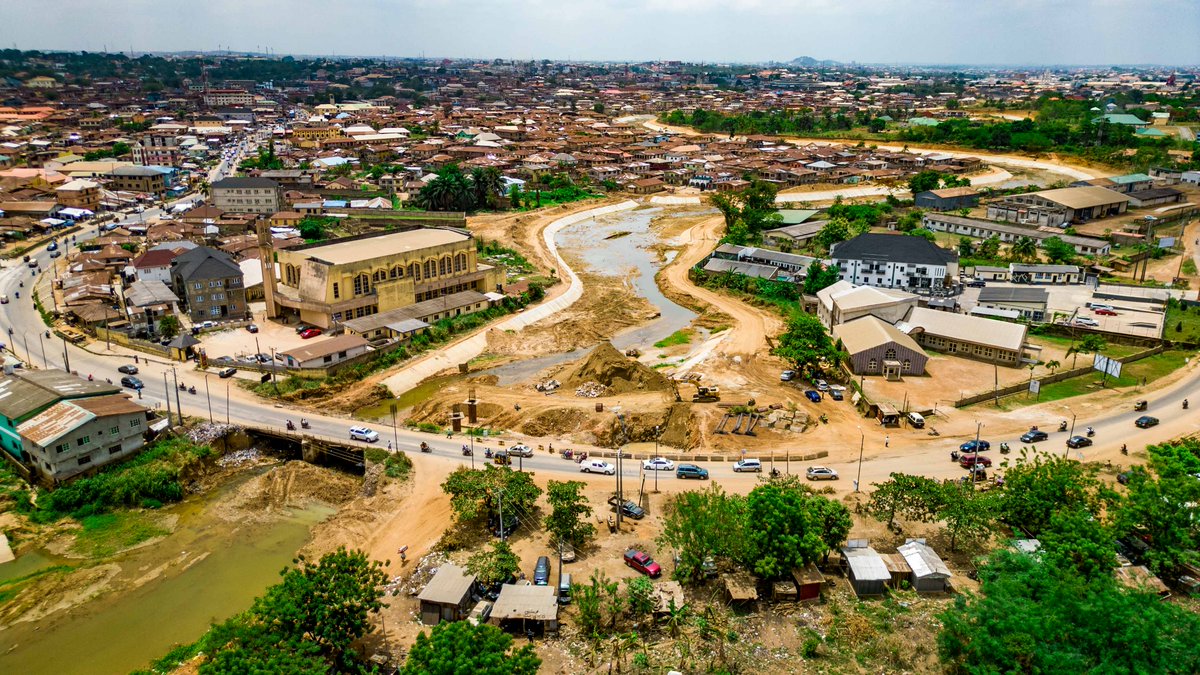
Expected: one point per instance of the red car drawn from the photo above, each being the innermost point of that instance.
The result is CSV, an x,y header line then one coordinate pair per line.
x,y
1105,312
310,333
968,461
643,563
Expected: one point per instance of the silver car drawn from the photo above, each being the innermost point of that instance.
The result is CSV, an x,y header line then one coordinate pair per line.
x,y
820,473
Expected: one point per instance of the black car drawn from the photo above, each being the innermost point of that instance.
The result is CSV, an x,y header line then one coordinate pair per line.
x,y
541,572
629,509
1034,436
975,446
1078,442
228,372
131,382
836,394
1145,422
128,369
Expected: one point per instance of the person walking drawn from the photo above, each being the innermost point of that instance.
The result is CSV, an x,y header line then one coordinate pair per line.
x,y
886,439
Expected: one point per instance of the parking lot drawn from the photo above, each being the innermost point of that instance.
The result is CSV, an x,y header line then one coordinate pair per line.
x,y
239,342
1133,318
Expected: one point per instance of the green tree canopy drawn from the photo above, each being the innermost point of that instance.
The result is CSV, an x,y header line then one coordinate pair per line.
x,y
569,514
499,565
459,647
1058,251
819,277
703,523
476,491
806,345
1037,485
168,326
788,529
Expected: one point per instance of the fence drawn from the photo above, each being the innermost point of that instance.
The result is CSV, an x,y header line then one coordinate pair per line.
x,y
131,342
1049,379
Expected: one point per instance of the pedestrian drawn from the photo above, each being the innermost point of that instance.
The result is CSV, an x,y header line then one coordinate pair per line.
x,y
886,439
389,446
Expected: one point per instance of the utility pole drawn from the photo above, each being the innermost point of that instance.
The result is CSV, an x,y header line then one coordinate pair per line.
x,y
975,464
227,402
167,390
66,356
862,442
620,467
45,363
500,503
396,432
208,395
28,356
178,403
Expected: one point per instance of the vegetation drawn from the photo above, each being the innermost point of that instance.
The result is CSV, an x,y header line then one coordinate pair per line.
x,y
316,228
679,337
104,534
478,491
703,523
118,149
748,213
496,566
510,258
455,647
932,180
1162,506
168,326
570,512
820,277
806,345
965,512
266,160
782,295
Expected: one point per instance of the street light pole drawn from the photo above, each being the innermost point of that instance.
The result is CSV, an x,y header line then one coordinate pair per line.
x,y
656,457
862,442
227,383
66,356
975,464
167,391
208,395
1070,434
178,403
45,363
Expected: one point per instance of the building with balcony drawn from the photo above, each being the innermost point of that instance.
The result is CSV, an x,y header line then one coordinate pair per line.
x,y
894,261
246,195
210,284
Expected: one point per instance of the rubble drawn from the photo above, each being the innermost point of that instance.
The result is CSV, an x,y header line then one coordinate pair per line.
x,y
548,385
415,582
786,420
592,390
371,478
239,457
207,432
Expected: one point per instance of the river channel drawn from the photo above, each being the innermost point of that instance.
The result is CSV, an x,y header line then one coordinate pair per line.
x,y
124,630
617,244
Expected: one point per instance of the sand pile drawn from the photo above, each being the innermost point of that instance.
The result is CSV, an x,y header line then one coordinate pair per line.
x,y
612,369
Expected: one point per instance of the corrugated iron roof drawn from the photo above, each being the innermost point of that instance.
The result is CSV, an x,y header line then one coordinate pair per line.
x,y
55,422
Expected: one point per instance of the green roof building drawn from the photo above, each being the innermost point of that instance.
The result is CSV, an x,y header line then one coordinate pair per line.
x,y
1121,118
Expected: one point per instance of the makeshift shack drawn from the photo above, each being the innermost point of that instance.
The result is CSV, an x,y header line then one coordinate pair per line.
x,y
808,583
864,568
447,596
527,606
783,590
898,569
929,573
887,415
741,587
1141,578
665,593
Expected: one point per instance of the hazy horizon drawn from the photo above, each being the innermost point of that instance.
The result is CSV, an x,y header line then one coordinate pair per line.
x,y
1019,33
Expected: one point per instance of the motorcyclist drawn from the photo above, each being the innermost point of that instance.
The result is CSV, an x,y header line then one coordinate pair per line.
x,y
1185,404
1091,431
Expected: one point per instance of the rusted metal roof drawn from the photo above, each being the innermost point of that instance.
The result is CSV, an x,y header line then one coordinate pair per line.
x,y
54,423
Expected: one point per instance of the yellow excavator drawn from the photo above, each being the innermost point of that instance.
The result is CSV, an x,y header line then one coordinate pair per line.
x,y
704,393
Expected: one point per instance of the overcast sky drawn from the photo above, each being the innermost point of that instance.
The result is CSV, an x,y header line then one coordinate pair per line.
x,y
873,31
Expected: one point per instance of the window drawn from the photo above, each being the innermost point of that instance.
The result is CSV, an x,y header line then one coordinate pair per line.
x,y
397,272
430,269
62,447
362,284
215,311
83,440
218,297
114,431
336,291
114,450
135,423
907,365
444,266
414,270
197,285
379,276
889,354
199,298
86,459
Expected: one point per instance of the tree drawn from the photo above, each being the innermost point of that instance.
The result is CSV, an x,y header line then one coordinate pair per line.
x,y
1164,507
788,529
168,326
639,597
967,512
598,108
1032,617
328,602
910,497
989,248
1024,248
1077,541
925,234
833,231
241,645
924,181
1052,366
569,512
486,184
591,599
475,491
455,647
965,247
497,566
450,190
700,524
806,345
1038,485
819,277
312,229
1058,251
1089,344
747,213
514,196
910,221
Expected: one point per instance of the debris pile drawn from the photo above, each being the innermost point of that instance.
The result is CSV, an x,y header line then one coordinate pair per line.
x,y
548,385
371,478
239,457
786,420
622,375
592,390
422,573
206,433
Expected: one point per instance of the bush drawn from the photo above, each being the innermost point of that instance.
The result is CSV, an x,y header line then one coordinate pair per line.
x,y
398,465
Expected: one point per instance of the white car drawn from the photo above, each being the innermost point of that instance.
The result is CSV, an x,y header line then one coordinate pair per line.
x,y
597,466
822,385
363,434
658,464
820,473
1084,321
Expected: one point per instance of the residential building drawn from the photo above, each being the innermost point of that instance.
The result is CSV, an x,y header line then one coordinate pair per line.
x,y
447,596
1044,274
246,195
335,281
147,302
746,269
928,573
75,436
1029,303
223,98
160,146
1009,233
793,236
1058,207
142,179
974,337
325,353
25,393
79,194
210,284
843,302
155,264
894,261
947,199
876,347
792,267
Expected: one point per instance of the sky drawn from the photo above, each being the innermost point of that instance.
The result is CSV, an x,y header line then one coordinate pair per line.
x,y
1009,32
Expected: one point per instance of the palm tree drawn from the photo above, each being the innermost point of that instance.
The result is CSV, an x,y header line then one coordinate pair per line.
x,y
1024,248
1053,366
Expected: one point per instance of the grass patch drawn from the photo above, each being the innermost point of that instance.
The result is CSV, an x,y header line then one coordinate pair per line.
x,y
1148,369
398,465
9,589
1182,323
104,534
511,258
1064,342
679,337
1189,267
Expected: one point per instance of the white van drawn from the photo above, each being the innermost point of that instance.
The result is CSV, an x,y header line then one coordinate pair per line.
x,y
363,434
747,465
597,466
916,420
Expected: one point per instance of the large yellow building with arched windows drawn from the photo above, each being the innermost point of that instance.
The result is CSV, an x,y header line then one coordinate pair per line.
x,y
331,282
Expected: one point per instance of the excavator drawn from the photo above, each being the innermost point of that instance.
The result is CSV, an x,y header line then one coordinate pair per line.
x,y
704,393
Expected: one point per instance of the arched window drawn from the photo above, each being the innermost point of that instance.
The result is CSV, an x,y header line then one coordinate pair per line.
x,y
460,262
397,272
907,365
889,354
430,269
379,276
444,268
872,365
362,284
414,270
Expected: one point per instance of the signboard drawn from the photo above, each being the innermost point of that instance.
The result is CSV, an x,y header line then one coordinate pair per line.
x,y
1166,242
1111,367
1035,386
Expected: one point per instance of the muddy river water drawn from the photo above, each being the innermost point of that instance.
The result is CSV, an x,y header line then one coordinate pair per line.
x,y
211,570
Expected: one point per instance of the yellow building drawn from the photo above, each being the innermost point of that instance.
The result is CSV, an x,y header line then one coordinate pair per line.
x,y
359,276
309,136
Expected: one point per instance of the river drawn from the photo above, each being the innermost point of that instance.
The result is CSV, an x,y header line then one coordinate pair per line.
x,y
124,630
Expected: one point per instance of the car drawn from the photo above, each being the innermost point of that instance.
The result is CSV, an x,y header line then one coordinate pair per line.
x,y
1099,305
813,395
253,328
131,382
128,369
3,298
541,572
970,460
628,509
263,358
511,523
1033,436
691,471
300,328
1084,321
1104,312
597,466
33,263
643,563
916,419
822,385
363,434
970,446
53,246
837,394
820,473
752,465
1145,422
227,373
1078,442
521,450
55,254
977,283
658,464
787,376
566,552
310,333
480,613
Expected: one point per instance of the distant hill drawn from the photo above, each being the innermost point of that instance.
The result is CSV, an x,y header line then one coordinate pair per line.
x,y
810,62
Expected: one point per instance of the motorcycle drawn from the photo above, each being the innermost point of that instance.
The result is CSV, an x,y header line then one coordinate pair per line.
x,y
953,455
466,451
487,452
89,376
182,387
1185,404
1004,450
425,447
47,335
1091,432
192,390
1124,449
303,423
1062,426
567,454
291,426
580,458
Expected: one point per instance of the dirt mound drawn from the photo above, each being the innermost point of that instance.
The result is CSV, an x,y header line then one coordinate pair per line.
x,y
293,484
609,367
557,421
677,428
